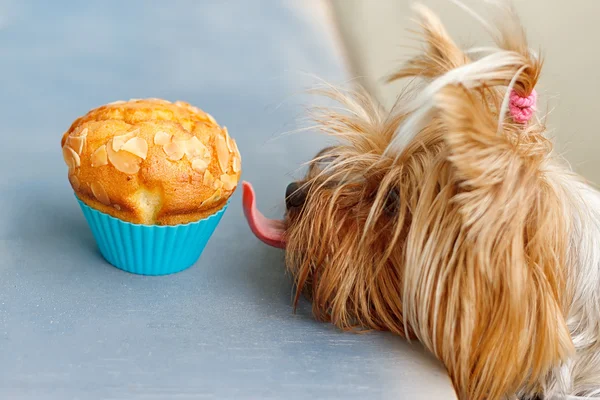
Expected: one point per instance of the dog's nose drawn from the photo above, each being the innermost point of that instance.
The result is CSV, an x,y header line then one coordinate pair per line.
x,y
294,196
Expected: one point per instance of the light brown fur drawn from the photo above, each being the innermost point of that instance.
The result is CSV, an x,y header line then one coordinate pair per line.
x,y
472,262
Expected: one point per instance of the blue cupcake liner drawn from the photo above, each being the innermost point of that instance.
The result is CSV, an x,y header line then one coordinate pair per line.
x,y
150,249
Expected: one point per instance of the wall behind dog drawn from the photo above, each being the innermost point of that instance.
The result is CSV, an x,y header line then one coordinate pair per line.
x,y
377,38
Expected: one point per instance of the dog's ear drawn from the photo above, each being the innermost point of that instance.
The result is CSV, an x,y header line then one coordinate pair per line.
x,y
481,155
509,34
488,263
441,54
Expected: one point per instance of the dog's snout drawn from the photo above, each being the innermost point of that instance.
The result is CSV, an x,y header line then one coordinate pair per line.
x,y
295,195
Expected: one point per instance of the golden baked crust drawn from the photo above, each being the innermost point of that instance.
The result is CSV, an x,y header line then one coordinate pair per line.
x,y
151,161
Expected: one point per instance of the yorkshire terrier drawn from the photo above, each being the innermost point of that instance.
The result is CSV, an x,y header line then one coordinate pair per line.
x,y
450,220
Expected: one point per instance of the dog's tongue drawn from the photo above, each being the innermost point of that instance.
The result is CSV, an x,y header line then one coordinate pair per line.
x,y
270,231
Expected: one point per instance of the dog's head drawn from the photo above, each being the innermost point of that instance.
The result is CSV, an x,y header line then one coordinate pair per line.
x,y
435,220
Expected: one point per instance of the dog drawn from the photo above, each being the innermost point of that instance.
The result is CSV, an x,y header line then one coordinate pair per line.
x,y
450,220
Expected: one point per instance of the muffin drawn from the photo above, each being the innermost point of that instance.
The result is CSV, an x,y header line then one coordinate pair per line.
x,y
153,179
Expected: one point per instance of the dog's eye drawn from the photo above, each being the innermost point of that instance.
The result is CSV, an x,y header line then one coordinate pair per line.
x,y
323,159
324,162
392,202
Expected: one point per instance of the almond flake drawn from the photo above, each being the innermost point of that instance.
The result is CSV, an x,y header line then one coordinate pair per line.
x,y
114,103
194,109
217,184
210,118
174,151
222,153
117,207
162,138
194,149
99,157
235,148
237,158
74,182
100,194
229,181
182,138
76,143
71,157
227,139
119,141
212,199
136,146
199,165
123,161
208,178
82,132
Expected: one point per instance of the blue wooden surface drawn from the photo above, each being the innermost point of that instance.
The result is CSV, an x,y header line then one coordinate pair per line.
x,y
73,327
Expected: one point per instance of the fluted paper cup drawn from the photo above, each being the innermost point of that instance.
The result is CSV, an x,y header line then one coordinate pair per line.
x,y
150,249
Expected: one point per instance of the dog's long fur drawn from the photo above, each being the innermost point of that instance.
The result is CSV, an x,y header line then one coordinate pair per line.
x,y
446,222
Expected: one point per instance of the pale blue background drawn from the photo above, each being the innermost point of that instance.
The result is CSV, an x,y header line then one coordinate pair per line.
x,y
73,327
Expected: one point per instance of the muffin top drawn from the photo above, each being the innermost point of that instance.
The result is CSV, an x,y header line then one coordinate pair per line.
x,y
151,161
